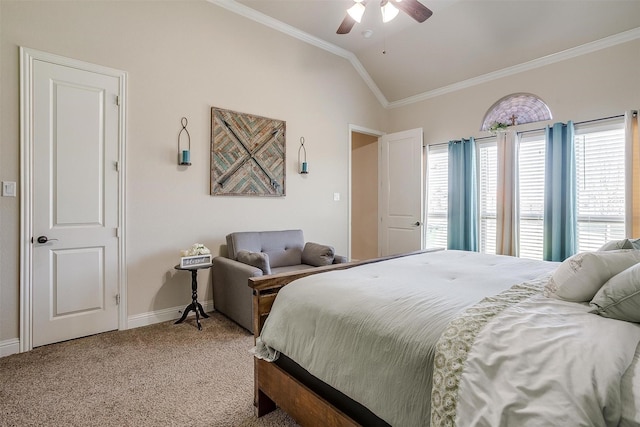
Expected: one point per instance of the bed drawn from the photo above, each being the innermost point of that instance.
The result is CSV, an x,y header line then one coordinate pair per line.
x,y
440,338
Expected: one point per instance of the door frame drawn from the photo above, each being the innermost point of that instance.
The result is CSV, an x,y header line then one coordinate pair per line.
x,y
366,131
27,58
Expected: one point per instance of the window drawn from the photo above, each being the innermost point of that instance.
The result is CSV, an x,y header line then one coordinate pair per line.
x,y
531,194
600,184
488,167
437,195
600,189
437,200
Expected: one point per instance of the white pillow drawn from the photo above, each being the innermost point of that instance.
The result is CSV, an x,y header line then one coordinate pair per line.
x,y
581,276
619,298
616,244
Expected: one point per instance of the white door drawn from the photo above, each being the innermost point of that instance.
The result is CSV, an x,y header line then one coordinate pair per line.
x,y
401,193
75,197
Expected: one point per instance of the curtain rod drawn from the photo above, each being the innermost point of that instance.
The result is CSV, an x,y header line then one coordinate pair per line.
x,y
446,143
635,113
582,122
484,137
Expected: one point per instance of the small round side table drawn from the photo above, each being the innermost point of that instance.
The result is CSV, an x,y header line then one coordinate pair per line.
x,y
195,306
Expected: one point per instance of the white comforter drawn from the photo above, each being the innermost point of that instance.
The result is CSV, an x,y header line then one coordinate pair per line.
x,y
370,331
546,362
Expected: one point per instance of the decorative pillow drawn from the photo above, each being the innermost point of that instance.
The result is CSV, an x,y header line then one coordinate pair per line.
x,y
255,259
617,244
619,298
579,277
317,255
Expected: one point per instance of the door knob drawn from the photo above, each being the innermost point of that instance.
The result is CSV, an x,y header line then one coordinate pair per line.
x,y
417,223
44,239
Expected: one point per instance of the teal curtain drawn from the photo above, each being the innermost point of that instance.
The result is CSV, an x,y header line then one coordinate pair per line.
x,y
462,229
560,211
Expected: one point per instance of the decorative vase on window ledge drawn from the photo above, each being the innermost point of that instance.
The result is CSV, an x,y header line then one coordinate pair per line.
x,y
498,127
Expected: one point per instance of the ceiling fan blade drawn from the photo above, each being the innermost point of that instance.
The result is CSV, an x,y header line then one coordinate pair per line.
x,y
414,9
347,24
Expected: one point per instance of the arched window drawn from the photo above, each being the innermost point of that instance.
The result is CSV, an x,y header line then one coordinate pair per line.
x,y
515,109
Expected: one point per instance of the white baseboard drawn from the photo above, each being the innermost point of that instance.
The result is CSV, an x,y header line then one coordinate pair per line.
x,y
12,346
9,347
164,315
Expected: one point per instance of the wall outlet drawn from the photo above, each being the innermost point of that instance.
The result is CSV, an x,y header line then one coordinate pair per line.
x,y
8,189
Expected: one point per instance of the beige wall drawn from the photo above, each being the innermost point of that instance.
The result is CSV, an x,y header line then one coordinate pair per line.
x,y
591,86
182,58
364,196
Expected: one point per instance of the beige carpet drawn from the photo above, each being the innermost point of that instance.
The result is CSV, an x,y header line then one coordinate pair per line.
x,y
159,375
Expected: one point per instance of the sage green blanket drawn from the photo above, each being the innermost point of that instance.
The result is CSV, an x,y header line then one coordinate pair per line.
x,y
371,331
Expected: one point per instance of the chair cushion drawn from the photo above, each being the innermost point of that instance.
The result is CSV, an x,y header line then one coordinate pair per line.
x,y
283,247
290,268
256,259
317,255
286,257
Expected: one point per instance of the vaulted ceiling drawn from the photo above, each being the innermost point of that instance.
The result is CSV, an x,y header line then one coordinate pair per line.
x,y
464,42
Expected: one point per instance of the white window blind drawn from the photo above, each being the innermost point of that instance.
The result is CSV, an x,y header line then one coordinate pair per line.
x,y
437,199
531,194
600,187
600,184
488,161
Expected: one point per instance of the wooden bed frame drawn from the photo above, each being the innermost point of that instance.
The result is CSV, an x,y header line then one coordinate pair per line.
x,y
273,386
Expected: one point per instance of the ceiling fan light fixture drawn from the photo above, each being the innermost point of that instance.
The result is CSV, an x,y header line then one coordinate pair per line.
x,y
356,11
389,12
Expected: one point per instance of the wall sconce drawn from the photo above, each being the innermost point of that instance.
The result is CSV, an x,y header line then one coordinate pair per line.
x,y
302,157
184,156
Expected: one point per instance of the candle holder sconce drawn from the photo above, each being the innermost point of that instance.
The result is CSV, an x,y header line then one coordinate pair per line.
x,y
302,157
184,156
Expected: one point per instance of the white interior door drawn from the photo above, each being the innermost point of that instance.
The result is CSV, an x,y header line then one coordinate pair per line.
x,y
75,202
402,194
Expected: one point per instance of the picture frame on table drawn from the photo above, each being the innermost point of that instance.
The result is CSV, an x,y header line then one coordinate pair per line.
x,y
195,260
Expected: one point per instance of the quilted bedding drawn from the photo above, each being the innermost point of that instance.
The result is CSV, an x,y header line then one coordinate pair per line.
x,y
522,359
371,331
458,338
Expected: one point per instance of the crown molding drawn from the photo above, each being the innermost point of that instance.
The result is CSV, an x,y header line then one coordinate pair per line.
x,y
594,46
261,18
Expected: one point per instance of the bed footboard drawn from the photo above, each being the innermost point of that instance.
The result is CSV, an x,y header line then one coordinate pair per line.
x,y
293,397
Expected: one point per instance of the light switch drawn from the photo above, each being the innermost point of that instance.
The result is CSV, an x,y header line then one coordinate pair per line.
x,y
336,197
8,189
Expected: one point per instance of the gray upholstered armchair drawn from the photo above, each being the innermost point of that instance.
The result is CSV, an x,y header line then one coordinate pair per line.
x,y
252,254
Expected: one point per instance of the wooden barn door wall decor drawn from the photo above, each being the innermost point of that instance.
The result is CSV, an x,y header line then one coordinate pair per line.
x,y
247,154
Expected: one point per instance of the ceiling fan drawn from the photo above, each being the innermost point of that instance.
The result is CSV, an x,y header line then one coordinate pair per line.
x,y
389,9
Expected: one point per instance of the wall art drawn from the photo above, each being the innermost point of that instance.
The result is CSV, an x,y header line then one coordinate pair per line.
x,y
247,154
